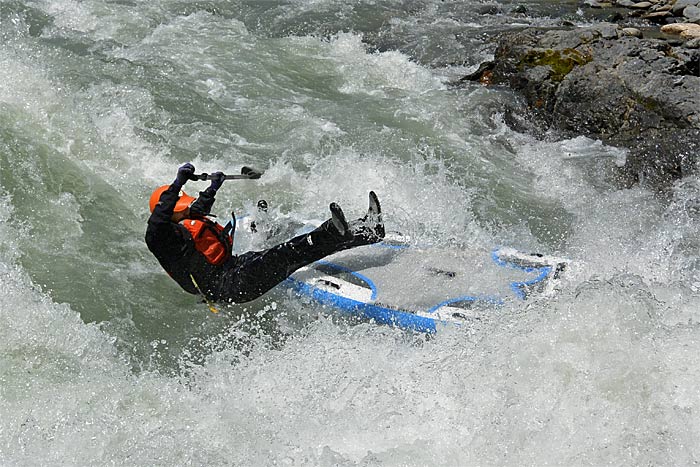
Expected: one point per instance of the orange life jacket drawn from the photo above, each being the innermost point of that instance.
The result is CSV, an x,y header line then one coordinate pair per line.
x,y
211,239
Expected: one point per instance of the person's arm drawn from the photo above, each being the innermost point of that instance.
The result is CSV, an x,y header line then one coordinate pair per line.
x,y
163,236
202,206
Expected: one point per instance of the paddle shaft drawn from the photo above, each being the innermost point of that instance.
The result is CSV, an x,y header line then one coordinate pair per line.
x,y
246,174
226,177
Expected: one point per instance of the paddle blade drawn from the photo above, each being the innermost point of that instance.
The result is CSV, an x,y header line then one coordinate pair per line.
x,y
250,172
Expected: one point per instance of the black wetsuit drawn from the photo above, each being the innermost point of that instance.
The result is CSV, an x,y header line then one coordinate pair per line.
x,y
240,278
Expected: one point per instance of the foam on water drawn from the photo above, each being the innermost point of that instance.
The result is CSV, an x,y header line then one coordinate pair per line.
x,y
103,360
377,73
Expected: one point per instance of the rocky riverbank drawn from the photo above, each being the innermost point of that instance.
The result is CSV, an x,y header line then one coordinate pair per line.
x,y
633,87
657,11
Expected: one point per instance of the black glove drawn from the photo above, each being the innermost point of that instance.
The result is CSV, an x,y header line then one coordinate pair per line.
x,y
217,179
184,173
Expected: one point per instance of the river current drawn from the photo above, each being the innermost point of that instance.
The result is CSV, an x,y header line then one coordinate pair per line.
x,y
105,361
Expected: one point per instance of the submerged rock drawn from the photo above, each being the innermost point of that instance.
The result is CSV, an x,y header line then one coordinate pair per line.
x,y
603,82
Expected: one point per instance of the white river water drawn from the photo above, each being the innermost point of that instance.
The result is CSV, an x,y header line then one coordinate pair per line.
x,y
104,361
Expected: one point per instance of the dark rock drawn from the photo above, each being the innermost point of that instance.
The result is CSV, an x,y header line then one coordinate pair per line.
x,y
680,5
660,157
642,94
492,9
482,74
614,17
692,13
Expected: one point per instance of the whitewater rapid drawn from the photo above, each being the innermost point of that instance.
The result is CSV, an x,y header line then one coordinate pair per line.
x,y
104,361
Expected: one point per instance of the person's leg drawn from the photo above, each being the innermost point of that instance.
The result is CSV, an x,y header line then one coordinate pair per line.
x,y
257,272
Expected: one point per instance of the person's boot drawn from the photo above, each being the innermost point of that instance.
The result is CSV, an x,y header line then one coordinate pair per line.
x,y
370,228
340,225
374,215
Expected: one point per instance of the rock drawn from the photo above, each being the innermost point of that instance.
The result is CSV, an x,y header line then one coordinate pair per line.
x,y
614,17
642,5
483,74
491,9
633,32
620,90
692,13
660,157
597,4
665,7
692,44
674,28
656,16
680,5
625,3
592,3
690,33
685,30
607,30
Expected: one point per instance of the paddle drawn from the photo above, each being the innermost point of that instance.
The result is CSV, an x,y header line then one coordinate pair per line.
x,y
247,173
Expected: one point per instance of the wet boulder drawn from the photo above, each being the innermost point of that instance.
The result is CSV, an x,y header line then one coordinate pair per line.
x,y
642,94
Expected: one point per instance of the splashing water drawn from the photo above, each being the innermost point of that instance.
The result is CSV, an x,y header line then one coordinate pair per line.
x,y
103,360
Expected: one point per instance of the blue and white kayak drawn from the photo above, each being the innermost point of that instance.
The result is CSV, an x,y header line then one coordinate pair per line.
x,y
423,288
400,284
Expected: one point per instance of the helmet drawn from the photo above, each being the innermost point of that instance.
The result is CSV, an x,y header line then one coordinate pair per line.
x,y
183,203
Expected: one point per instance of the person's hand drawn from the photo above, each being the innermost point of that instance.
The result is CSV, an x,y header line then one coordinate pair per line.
x,y
184,173
217,179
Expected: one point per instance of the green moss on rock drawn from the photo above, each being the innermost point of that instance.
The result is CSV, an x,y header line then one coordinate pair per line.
x,y
561,62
